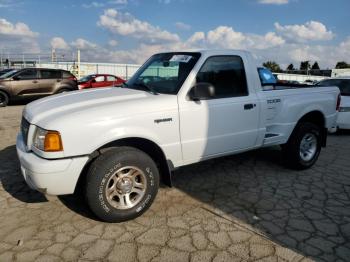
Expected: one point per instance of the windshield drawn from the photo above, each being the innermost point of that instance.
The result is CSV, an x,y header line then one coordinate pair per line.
x,y
86,78
342,84
164,73
9,74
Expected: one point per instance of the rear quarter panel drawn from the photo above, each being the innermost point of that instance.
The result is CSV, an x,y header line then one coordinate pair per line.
x,y
282,109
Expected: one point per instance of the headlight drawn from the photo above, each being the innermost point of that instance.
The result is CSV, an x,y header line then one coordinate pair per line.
x,y
344,109
48,141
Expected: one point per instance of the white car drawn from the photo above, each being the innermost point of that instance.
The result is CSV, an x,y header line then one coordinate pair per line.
x,y
343,83
179,108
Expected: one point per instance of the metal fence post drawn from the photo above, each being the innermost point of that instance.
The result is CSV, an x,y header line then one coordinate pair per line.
x,y
126,72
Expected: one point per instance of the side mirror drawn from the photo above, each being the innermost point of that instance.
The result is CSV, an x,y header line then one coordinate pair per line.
x,y
16,78
202,91
93,81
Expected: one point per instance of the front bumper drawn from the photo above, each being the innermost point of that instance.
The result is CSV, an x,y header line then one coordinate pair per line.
x,y
54,177
343,121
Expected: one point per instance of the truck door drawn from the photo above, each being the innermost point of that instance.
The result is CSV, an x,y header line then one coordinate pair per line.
x,y
225,123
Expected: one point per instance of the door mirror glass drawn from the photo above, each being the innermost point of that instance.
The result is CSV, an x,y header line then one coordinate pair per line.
x,y
202,91
266,77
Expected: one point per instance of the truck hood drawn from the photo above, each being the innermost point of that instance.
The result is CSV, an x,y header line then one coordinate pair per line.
x,y
94,104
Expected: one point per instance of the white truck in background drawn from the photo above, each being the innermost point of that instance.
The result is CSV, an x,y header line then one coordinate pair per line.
x,y
179,108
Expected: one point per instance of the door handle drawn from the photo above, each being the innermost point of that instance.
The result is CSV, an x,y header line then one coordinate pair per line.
x,y
58,80
249,106
34,81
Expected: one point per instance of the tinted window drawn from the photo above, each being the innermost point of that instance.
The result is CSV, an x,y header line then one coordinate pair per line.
x,y
50,74
9,73
67,74
28,74
86,78
342,84
99,78
111,78
266,77
226,74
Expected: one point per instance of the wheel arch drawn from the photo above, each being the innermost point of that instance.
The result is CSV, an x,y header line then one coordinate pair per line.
x,y
147,146
64,87
5,91
316,117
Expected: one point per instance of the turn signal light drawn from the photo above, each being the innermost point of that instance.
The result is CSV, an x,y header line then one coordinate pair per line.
x,y
53,142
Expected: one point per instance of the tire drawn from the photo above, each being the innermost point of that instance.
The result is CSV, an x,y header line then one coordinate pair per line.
x,y
4,99
121,184
63,90
303,147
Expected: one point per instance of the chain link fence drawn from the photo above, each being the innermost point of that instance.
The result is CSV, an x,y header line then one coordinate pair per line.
x,y
66,62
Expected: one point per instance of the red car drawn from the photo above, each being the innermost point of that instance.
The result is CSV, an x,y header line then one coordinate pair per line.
x,y
99,80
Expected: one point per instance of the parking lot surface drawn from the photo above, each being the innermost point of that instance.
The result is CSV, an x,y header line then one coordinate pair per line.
x,y
247,207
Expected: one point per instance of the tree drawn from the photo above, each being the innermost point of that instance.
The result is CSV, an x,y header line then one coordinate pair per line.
x,y
273,66
315,66
305,65
290,67
342,65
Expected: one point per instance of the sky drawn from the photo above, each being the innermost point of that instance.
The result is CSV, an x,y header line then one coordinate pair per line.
x,y
129,31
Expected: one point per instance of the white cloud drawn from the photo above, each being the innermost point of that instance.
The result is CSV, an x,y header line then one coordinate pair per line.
x,y
113,43
59,43
18,29
17,37
274,2
310,31
182,26
261,42
126,25
304,53
96,4
83,44
225,37
93,4
196,38
8,3
118,2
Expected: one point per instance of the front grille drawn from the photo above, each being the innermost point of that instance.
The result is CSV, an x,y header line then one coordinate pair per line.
x,y
24,129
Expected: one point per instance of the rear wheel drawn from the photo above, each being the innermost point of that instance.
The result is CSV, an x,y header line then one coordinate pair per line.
x,y
304,146
121,184
4,99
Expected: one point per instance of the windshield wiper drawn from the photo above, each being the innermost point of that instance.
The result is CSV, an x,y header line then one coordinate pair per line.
x,y
144,86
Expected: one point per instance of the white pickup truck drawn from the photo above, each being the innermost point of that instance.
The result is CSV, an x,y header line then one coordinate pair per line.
x,y
179,108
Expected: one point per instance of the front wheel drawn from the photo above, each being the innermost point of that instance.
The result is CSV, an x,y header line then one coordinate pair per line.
x,y
4,99
121,184
303,147
63,90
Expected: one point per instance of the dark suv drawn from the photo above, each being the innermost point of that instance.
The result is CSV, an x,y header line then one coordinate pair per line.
x,y
35,82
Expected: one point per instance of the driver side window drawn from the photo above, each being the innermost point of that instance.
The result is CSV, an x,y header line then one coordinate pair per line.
x,y
28,74
226,74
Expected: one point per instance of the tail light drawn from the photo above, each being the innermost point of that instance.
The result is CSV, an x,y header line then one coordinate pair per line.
x,y
338,102
72,78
